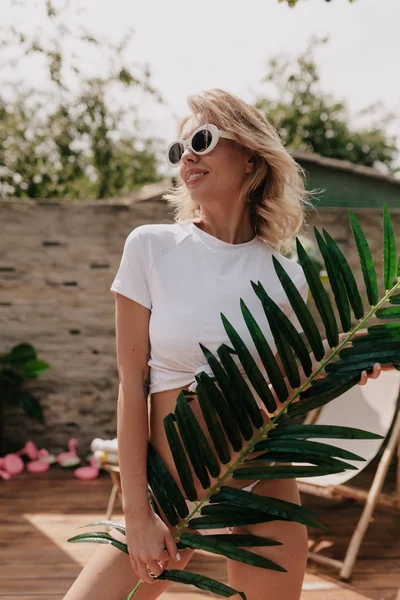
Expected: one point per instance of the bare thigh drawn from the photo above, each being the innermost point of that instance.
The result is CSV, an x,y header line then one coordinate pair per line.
x,y
263,584
108,575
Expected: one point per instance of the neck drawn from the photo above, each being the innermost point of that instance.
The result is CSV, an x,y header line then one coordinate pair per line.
x,y
233,230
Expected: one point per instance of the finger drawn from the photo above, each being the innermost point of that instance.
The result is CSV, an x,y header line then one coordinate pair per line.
x,y
143,573
155,567
363,378
172,547
377,371
360,332
164,565
163,556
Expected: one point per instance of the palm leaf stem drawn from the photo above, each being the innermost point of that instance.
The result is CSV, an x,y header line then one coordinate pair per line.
x,y
272,424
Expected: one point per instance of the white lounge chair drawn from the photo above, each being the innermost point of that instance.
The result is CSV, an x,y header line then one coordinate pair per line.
x,y
371,407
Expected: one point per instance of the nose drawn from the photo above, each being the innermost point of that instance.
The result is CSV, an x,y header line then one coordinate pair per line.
x,y
189,155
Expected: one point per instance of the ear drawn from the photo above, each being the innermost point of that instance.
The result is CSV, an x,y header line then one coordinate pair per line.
x,y
250,164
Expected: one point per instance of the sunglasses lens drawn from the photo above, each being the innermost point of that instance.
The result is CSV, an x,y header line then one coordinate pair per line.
x,y
202,140
175,153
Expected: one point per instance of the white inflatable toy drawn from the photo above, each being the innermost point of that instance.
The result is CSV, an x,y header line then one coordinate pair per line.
x,y
105,451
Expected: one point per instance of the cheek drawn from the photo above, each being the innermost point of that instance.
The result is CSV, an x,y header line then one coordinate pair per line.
x,y
232,175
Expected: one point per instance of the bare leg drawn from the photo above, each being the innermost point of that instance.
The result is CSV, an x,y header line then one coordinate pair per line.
x,y
263,584
108,575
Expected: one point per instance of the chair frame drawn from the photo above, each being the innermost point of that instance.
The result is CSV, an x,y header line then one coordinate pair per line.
x,y
373,498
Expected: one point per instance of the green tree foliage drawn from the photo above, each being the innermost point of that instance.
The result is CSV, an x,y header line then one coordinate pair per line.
x,y
310,121
77,136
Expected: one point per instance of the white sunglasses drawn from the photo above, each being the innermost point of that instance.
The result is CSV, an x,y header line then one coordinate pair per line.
x,y
203,140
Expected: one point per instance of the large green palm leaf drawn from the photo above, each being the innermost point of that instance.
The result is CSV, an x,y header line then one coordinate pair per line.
x,y
232,415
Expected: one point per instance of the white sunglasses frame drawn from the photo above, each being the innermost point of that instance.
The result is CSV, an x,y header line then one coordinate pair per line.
x,y
216,134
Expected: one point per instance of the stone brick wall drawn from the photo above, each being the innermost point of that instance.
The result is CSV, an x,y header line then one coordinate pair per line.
x,y
57,262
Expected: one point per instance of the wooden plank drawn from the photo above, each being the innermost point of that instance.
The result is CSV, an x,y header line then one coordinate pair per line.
x,y
39,514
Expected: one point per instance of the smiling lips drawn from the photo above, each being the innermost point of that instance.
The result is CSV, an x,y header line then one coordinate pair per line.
x,y
193,174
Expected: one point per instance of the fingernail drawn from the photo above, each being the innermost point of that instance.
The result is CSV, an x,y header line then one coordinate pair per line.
x,y
178,556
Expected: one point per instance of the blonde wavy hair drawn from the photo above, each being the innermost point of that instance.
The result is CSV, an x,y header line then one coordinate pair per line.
x,y
275,190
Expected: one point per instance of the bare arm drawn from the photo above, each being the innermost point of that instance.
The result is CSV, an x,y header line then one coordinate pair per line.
x,y
149,539
132,337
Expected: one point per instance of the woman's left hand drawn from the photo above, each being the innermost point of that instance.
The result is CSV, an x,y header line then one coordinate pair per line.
x,y
377,368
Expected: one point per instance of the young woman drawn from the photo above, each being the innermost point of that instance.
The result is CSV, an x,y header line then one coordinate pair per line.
x,y
240,201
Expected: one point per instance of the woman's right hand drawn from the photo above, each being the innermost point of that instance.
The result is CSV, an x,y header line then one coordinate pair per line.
x,y
150,544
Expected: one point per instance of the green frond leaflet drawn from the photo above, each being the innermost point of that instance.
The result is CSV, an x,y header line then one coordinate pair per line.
x,y
189,441
290,457
355,363
311,402
385,331
106,523
251,369
301,310
282,472
243,390
179,456
98,538
169,483
336,282
231,395
267,357
284,350
395,299
291,334
299,446
321,298
373,347
389,250
209,544
228,519
195,441
322,431
161,491
244,539
223,409
393,312
214,426
366,261
349,281
289,511
200,581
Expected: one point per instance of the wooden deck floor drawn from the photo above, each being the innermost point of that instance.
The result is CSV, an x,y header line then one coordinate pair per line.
x,y
38,514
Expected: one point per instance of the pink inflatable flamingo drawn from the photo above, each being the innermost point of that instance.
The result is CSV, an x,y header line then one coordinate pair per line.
x,y
68,459
41,465
5,474
88,472
29,449
12,463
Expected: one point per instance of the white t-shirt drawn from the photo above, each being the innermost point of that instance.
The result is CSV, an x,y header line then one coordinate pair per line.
x,y
187,277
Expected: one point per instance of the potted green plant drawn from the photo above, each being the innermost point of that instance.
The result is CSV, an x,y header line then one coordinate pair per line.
x,y
16,367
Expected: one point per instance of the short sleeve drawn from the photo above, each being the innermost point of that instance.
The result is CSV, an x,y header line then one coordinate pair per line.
x,y
303,289
131,279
